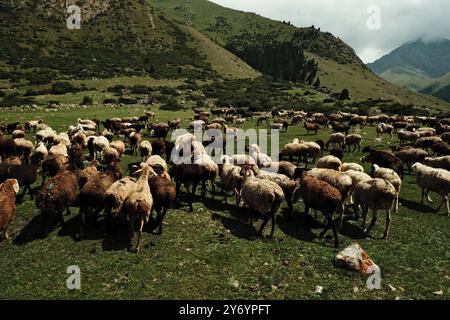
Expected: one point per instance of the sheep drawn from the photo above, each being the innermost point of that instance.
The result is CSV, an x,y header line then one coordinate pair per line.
x,y
432,179
58,150
119,146
46,135
311,127
7,148
160,130
110,154
25,174
292,150
99,144
260,158
438,163
92,195
135,139
210,171
156,160
427,142
376,194
391,176
313,150
62,138
32,125
145,149
287,184
384,128
24,148
18,134
107,134
329,162
383,159
351,166
89,173
139,203
8,191
230,178
407,136
164,195
446,137
283,167
261,195
190,176
353,140
320,195
56,196
158,147
76,157
41,150
357,177
441,149
336,140
411,155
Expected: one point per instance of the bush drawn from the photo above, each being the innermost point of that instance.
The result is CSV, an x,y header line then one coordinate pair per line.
x,y
109,101
87,100
125,100
62,88
172,105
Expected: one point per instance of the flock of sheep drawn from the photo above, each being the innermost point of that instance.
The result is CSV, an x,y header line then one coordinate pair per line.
x,y
154,184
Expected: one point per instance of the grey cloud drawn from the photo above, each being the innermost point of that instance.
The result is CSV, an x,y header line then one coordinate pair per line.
x,y
401,20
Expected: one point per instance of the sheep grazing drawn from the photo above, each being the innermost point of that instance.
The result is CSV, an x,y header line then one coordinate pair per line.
x,y
59,149
164,195
109,155
119,146
156,161
24,148
25,174
18,134
376,194
432,179
438,163
145,150
210,171
392,177
135,140
92,195
320,195
295,150
56,196
427,142
76,157
89,173
190,176
441,149
8,191
407,136
411,155
261,195
336,140
314,127
354,140
384,128
283,167
383,159
351,166
139,203
338,153
329,162
99,144
230,178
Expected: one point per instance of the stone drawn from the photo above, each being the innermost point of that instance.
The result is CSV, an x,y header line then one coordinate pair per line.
x,y
354,258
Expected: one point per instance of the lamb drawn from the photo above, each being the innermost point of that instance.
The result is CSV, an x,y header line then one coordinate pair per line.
x,y
351,166
353,140
99,144
311,127
139,203
56,196
432,179
376,194
261,195
329,162
438,163
230,178
8,191
336,140
190,176
145,150
384,128
155,161
320,195
392,177
210,171
92,195
164,195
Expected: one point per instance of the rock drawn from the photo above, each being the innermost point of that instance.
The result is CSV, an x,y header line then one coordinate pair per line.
x,y
319,289
392,288
438,293
354,258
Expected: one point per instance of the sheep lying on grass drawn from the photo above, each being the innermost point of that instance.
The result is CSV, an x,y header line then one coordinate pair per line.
x,y
376,194
263,196
432,179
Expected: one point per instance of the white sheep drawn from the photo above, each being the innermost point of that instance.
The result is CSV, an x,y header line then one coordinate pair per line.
x,y
329,162
145,149
59,149
230,178
260,158
391,176
438,163
351,166
261,195
432,179
376,194
41,150
156,160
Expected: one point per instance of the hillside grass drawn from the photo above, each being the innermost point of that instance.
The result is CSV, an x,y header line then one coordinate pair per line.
x,y
210,254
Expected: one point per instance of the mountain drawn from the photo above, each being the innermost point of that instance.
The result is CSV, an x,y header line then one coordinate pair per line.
x,y
116,38
422,66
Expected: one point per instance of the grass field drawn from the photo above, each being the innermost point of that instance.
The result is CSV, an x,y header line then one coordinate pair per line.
x,y
210,254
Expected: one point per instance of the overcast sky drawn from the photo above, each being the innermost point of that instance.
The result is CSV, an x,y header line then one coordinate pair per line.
x,y
401,20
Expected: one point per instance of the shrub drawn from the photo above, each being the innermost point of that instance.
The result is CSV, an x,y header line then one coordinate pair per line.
x,y
87,100
126,100
62,88
172,105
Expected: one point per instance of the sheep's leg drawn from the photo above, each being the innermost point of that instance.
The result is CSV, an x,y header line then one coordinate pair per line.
x,y
263,225
61,217
203,192
213,188
372,222
45,218
82,222
68,211
161,216
274,221
388,223
290,204
194,188
141,227
444,199
238,197
428,196
396,202
327,226
423,196
131,234
365,208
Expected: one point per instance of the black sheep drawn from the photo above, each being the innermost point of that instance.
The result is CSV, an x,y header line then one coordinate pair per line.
x,y
25,174
383,159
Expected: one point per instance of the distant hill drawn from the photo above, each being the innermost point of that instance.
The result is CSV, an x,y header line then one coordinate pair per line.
x,y
420,66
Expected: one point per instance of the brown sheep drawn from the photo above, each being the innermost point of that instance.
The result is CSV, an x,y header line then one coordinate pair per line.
x,y
8,192
311,127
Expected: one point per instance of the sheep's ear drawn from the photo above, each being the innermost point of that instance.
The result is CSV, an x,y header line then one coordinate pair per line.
x,y
16,186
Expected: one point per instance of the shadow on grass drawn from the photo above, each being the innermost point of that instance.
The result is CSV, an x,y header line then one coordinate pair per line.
x,y
71,228
416,206
32,231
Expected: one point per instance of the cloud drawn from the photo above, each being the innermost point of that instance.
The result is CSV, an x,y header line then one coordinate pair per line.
x,y
401,20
